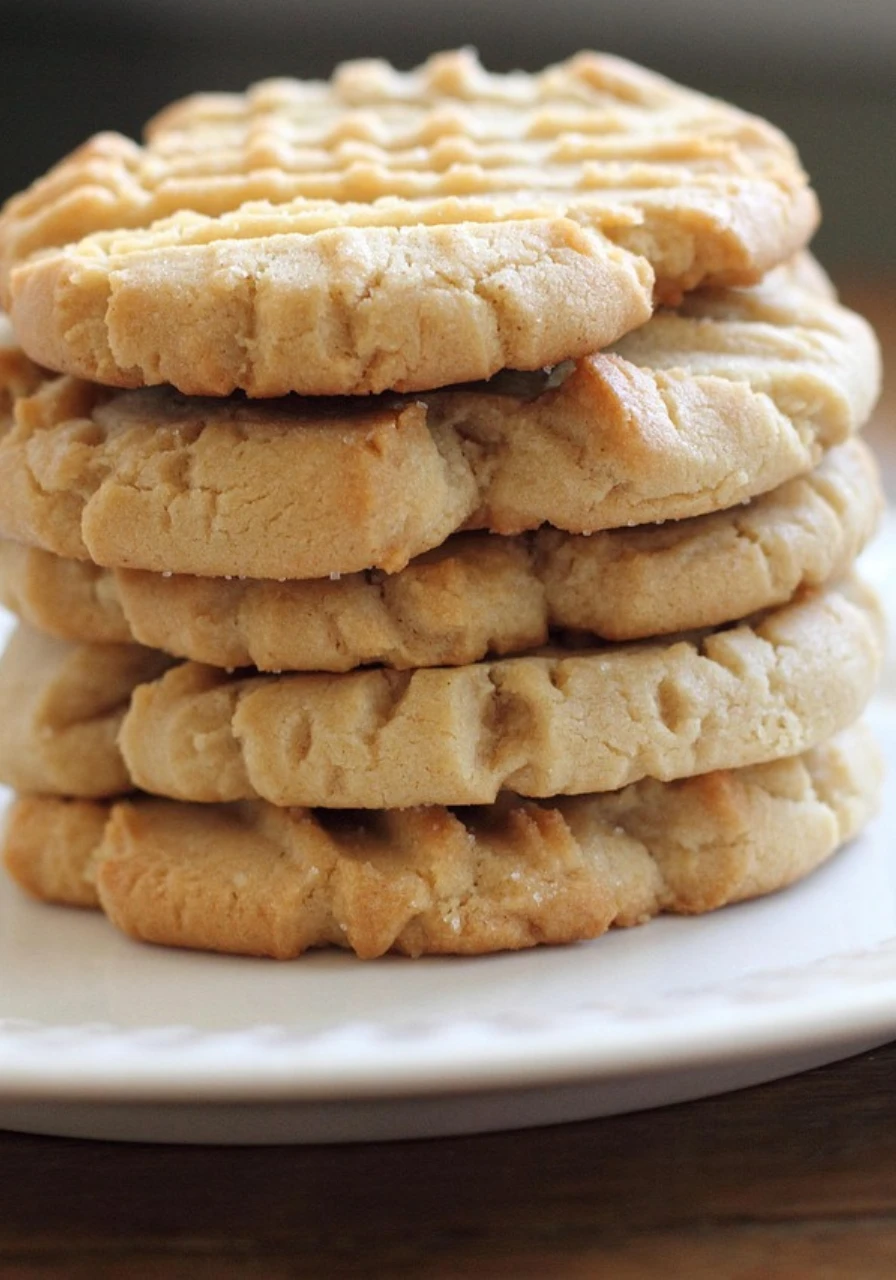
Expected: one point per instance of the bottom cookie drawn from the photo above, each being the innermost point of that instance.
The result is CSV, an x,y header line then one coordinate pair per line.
x,y
256,880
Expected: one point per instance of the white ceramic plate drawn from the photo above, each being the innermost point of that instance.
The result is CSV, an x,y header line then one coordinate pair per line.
x,y
102,1037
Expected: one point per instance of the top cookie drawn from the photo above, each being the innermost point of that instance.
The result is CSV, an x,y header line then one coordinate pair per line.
x,y
398,231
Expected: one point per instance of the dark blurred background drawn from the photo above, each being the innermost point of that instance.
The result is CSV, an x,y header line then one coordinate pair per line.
x,y
824,70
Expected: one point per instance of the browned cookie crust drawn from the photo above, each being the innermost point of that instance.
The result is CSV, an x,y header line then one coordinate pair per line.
x,y
549,725
61,708
699,411
393,231
477,594
256,880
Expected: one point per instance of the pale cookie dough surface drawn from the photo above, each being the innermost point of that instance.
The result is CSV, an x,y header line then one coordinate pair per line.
x,y
708,410
18,375
392,230
61,708
256,880
538,725
478,594
49,845
70,599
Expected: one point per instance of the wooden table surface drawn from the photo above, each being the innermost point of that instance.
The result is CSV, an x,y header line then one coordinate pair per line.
x,y
793,1179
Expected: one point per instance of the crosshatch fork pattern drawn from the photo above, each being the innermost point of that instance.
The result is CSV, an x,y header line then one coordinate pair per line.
x,y
594,138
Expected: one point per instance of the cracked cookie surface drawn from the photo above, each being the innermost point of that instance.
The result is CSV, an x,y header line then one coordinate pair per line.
x,y
61,708
539,725
477,594
252,879
697,412
564,722
392,230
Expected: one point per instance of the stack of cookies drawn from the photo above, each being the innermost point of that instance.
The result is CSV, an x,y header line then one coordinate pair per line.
x,y
430,500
